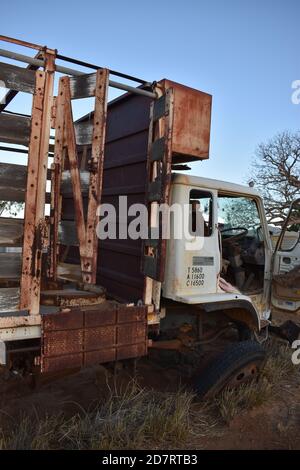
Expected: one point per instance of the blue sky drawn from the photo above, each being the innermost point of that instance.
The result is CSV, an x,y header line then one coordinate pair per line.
x,y
245,53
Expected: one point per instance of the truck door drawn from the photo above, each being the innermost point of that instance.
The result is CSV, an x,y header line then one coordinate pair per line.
x,y
286,263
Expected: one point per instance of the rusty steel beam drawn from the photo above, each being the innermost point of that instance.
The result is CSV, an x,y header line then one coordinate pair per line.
x,y
72,72
74,170
159,170
70,59
34,220
20,42
96,175
65,135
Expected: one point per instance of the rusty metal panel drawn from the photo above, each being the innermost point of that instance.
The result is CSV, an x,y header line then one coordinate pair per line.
x,y
83,337
192,122
125,173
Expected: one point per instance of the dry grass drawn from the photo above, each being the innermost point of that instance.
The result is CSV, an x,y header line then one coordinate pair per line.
x,y
131,418
137,418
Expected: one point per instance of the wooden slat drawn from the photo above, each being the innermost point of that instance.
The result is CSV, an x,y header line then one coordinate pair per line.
x,y
66,184
14,129
83,86
13,180
10,265
9,299
84,132
17,78
11,232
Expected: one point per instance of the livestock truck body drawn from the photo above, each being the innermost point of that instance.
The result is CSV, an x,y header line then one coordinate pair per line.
x,y
71,296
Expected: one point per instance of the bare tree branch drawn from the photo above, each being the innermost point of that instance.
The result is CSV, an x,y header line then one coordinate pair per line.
x,y
276,173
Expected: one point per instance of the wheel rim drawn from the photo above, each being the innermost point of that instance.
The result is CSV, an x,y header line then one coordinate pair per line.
x,y
245,374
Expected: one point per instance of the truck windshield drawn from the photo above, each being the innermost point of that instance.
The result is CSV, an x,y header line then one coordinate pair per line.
x,y
237,212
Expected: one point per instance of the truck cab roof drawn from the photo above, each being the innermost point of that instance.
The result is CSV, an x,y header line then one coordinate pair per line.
x,y
209,183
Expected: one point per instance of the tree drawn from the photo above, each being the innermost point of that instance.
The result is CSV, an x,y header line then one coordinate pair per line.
x,y
276,174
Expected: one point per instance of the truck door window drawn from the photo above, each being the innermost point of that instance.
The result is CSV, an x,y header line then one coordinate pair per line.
x,y
243,253
201,206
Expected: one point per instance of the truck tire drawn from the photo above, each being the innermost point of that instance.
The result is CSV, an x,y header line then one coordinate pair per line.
x,y
239,363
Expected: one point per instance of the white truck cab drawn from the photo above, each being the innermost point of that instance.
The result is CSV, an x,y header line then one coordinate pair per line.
x,y
231,259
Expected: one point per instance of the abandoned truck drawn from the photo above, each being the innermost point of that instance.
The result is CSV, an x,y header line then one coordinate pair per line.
x,y
70,298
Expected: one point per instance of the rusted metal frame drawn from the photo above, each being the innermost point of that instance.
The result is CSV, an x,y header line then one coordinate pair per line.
x,y
96,175
34,220
148,281
29,243
166,171
43,170
162,170
19,42
57,168
74,171
70,59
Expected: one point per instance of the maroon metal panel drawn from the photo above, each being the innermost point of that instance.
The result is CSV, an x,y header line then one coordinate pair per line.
x,y
125,173
95,335
119,267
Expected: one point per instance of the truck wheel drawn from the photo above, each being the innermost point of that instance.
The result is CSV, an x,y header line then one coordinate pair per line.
x,y
239,363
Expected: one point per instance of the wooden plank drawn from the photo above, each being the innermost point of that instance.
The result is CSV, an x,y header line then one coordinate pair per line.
x,y
10,95
11,231
14,129
83,86
10,265
84,132
9,299
66,183
17,78
13,182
